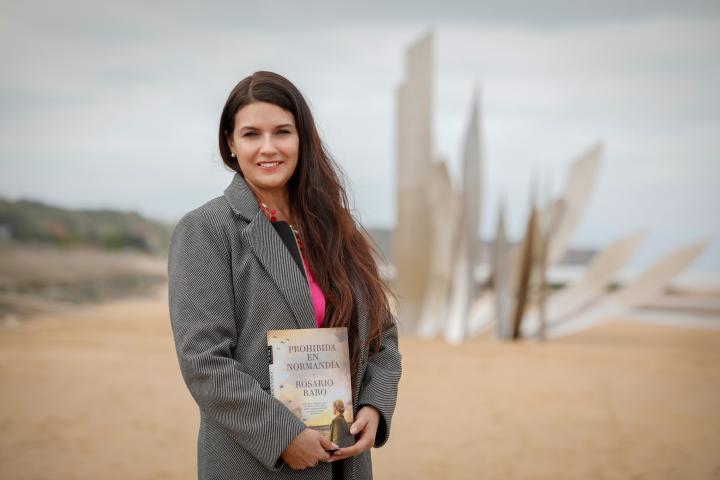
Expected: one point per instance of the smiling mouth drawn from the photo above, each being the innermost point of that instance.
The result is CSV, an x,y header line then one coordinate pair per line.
x,y
269,164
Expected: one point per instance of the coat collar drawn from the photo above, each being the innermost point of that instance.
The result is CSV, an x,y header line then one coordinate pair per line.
x,y
241,198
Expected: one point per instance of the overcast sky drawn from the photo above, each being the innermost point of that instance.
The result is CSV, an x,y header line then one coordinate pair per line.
x,y
116,104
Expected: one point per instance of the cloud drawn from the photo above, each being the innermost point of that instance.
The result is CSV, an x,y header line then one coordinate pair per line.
x,y
107,104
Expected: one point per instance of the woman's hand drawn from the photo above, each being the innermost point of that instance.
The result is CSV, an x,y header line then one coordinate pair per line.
x,y
366,425
307,450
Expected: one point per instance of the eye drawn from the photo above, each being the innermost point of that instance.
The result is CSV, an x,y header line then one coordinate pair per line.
x,y
284,132
249,134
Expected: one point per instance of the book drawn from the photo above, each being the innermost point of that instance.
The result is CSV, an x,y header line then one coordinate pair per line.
x,y
310,375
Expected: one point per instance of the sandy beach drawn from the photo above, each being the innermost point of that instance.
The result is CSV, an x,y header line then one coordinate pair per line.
x,y
96,392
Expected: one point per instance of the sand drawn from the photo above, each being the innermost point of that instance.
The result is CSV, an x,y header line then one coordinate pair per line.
x,y
96,392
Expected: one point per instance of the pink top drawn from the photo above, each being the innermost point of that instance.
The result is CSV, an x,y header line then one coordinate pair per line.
x,y
318,298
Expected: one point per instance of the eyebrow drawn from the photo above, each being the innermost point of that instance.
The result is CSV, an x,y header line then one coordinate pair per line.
x,y
284,125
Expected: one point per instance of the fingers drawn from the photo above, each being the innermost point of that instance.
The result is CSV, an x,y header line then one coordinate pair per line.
x,y
324,445
365,440
362,444
327,444
321,457
358,425
352,451
309,451
312,460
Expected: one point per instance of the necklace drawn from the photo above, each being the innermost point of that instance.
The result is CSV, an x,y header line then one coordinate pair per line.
x,y
271,213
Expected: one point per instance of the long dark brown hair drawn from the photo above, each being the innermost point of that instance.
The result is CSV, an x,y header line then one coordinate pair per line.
x,y
337,246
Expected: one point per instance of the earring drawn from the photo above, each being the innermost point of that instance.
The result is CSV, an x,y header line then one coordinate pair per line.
x,y
232,155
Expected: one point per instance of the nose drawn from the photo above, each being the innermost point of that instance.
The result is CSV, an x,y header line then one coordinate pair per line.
x,y
267,147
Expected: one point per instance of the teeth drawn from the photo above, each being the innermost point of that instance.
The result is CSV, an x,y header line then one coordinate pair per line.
x,y
269,164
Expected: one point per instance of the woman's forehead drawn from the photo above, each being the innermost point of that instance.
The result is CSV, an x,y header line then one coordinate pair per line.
x,y
263,115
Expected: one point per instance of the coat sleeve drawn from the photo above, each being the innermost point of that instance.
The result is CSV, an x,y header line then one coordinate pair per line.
x,y
203,323
380,382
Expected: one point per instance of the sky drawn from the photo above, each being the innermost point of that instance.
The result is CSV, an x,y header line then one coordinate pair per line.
x,y
116,104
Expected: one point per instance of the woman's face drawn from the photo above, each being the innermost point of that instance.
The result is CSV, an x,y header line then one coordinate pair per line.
x,y
266,144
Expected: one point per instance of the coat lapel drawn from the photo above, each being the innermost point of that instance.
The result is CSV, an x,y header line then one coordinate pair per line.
x,y
270,250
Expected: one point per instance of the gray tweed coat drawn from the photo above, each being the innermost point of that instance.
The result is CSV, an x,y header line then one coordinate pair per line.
x,y
231,279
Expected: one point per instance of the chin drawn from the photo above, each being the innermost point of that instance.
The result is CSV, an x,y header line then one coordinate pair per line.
x,y
271,183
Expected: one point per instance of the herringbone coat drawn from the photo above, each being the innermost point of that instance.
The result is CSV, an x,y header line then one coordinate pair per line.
x,y
231,279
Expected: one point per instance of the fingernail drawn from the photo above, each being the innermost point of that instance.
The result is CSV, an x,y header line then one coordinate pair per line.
x,y
335,447
352,430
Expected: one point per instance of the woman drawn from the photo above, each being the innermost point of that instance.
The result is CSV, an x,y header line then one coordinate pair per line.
x,y
339,431
278,250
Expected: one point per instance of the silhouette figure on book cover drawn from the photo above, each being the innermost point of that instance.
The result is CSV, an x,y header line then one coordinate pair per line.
x,y
339,430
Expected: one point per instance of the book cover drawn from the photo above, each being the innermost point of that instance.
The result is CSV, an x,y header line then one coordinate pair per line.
x,y
310,374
